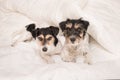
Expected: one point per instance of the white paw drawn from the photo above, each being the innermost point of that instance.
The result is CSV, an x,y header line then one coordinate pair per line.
x,y
51,61
69,59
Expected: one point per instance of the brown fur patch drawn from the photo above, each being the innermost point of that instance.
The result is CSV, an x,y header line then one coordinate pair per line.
x,y
76,26
41,36
51,41
69,25
47,36
48,39
41,42
67,39
81,35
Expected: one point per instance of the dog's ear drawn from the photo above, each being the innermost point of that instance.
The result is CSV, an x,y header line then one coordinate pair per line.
x,y
35,33
84,23
68,19
55,30
32,30
62,25
30,27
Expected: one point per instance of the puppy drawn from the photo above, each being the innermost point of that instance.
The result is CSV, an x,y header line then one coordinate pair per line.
x,y
46,41
76,39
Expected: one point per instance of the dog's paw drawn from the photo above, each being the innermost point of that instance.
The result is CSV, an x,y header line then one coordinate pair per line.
x,y
87,62
51,61
68,59
14,43
87,59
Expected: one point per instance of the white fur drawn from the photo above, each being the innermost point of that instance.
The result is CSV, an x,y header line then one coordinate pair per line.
x,y
52,50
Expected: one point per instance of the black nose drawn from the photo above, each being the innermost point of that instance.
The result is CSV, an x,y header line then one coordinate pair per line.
x,y
72,39
44,49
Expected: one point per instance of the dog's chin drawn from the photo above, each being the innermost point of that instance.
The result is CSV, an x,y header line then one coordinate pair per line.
x,y
73,44
46,53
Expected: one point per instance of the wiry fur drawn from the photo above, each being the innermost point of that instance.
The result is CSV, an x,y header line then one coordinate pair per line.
x,y
71,52
52,50
77,40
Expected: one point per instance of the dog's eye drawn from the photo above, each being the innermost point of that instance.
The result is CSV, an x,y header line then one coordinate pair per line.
x,y
49,38
40,38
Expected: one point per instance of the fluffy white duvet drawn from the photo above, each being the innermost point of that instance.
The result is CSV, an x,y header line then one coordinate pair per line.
x,y
22,63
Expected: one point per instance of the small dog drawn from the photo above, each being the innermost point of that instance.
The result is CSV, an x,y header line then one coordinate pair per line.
x,y
46,41
76,39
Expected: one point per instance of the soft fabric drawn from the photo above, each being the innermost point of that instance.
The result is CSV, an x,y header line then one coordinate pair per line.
x,y
22,63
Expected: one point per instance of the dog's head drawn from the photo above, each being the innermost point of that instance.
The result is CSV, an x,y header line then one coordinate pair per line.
x,y
74,30
46,37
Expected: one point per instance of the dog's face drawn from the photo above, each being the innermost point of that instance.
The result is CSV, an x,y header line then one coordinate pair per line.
x,y
46,38
74,30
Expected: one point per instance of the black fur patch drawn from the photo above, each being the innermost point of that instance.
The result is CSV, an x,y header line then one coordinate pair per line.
x,y
84,24
32,30
30,27
68,31
44,31
52,31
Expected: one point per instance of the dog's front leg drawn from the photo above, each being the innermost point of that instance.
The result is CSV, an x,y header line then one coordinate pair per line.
x,y
67,57
87,58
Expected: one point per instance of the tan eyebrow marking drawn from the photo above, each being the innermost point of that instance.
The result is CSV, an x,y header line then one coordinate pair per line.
x,y
81,34
69,25
41,36
77,26
47,36
50,41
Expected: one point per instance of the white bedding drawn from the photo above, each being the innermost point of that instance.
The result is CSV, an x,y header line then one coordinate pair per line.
x,y
22,62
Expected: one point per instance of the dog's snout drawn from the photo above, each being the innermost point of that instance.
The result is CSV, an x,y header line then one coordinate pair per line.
x,y
72,40
44,49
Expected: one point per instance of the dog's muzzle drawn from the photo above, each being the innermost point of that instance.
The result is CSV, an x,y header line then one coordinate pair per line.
x,y
44,49
72,40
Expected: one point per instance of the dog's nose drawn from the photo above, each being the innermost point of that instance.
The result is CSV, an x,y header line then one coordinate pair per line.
x,y
44,49
72,39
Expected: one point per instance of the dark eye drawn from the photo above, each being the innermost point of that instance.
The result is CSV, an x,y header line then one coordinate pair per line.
x,y
40,38
49,38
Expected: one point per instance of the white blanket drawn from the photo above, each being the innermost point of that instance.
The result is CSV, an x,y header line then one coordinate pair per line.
x,y
22,63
